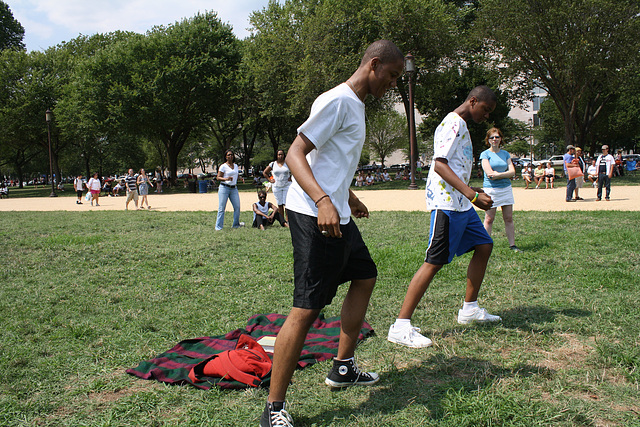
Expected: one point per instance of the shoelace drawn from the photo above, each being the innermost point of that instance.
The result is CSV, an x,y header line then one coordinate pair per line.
x,y
281,418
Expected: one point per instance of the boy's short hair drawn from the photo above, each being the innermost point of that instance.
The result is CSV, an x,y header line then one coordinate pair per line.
x,y
483,94
262,193
385,50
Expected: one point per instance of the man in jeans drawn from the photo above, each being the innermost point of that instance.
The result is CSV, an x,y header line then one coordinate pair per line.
x,y
569,163
604,169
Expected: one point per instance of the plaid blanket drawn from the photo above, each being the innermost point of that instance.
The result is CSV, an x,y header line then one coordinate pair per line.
x,y
173,366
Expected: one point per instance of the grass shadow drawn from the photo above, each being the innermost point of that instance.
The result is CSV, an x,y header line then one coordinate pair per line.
x,y
427,385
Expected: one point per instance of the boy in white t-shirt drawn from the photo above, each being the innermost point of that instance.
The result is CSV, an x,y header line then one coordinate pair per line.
x,y
327,247
455,226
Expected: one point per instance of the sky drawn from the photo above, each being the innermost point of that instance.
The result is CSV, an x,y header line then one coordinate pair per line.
x,y
50,22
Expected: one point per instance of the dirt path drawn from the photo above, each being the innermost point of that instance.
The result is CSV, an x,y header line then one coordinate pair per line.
x,y
623,198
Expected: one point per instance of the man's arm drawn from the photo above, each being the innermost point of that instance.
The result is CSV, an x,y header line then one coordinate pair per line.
x,y
328,218
442,168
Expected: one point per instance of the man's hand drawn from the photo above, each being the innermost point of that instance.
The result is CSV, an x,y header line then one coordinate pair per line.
x,y
328,218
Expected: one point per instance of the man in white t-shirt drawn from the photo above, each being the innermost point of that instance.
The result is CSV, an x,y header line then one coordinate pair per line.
x,y
327,247
455,227
604,168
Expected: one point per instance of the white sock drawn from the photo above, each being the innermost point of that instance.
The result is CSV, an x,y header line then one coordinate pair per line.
x,y
402,323
469,306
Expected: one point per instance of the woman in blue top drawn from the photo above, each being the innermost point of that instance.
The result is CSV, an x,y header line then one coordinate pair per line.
x,y
498,171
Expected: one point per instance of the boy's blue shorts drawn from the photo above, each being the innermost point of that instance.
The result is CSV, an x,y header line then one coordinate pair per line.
x,y
454,233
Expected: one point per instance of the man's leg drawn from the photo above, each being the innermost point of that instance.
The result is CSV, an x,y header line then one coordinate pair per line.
x,y
287,350
354,308
600,182
607,186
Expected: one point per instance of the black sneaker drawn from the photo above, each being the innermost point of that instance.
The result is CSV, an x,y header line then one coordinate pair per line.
x,y
345,373
275,415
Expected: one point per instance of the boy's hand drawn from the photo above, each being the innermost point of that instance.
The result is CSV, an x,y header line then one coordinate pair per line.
x,y
483,201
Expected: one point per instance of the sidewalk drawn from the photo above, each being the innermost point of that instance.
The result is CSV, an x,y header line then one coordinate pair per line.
x,y
623,198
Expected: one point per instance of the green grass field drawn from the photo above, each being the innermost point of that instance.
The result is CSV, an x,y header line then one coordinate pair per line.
x,y
84,296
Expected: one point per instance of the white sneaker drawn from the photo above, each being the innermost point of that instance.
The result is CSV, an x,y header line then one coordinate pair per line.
x,y
477,315
409,336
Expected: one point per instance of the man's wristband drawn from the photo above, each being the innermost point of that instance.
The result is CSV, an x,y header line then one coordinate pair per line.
x,y
318,201
474,198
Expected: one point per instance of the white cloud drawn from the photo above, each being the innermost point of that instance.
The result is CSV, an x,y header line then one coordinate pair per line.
x,y
48,22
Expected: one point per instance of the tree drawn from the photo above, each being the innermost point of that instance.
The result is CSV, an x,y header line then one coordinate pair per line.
x,y
580,51
11,31
386,132
171,81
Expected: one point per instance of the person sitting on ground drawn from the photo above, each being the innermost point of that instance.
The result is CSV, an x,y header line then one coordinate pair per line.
x,y
360,179
526,176
369,179
106,187
592,173
4,190
265,213
538,175
385,176
119,186
549,176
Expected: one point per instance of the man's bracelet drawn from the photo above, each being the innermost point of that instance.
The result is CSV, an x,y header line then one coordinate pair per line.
x,y
475,198
318,201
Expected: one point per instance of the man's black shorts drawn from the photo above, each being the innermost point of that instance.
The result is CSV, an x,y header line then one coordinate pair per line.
x,y
322,263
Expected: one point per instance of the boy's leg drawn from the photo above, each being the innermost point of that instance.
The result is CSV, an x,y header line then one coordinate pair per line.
x,y
418,286
476,270
287,350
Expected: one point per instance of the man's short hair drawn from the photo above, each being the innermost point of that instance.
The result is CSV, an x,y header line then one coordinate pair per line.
x,y
384,50
483,94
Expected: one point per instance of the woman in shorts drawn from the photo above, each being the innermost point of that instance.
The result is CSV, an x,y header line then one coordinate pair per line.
x,y
498,171
538,175
549,176
526,176
279,170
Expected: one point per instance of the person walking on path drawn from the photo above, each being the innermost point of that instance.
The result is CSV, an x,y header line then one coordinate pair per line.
x,y
605,165
78,185
568,163
158,178
94,187
583,168
282,179
455,226
132,190
228,176
498,171
327,246
143,188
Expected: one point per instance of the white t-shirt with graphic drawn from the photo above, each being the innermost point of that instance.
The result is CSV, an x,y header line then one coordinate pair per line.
x,y
336,127
451,142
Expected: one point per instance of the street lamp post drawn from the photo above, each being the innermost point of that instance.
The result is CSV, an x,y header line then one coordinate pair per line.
x,y
410,68
531,140
48,118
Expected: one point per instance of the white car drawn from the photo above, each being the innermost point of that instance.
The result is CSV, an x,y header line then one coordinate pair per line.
x,y
557,160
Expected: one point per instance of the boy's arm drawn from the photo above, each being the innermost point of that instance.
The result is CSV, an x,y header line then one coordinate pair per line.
x,y
443,169
358,209
328,218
